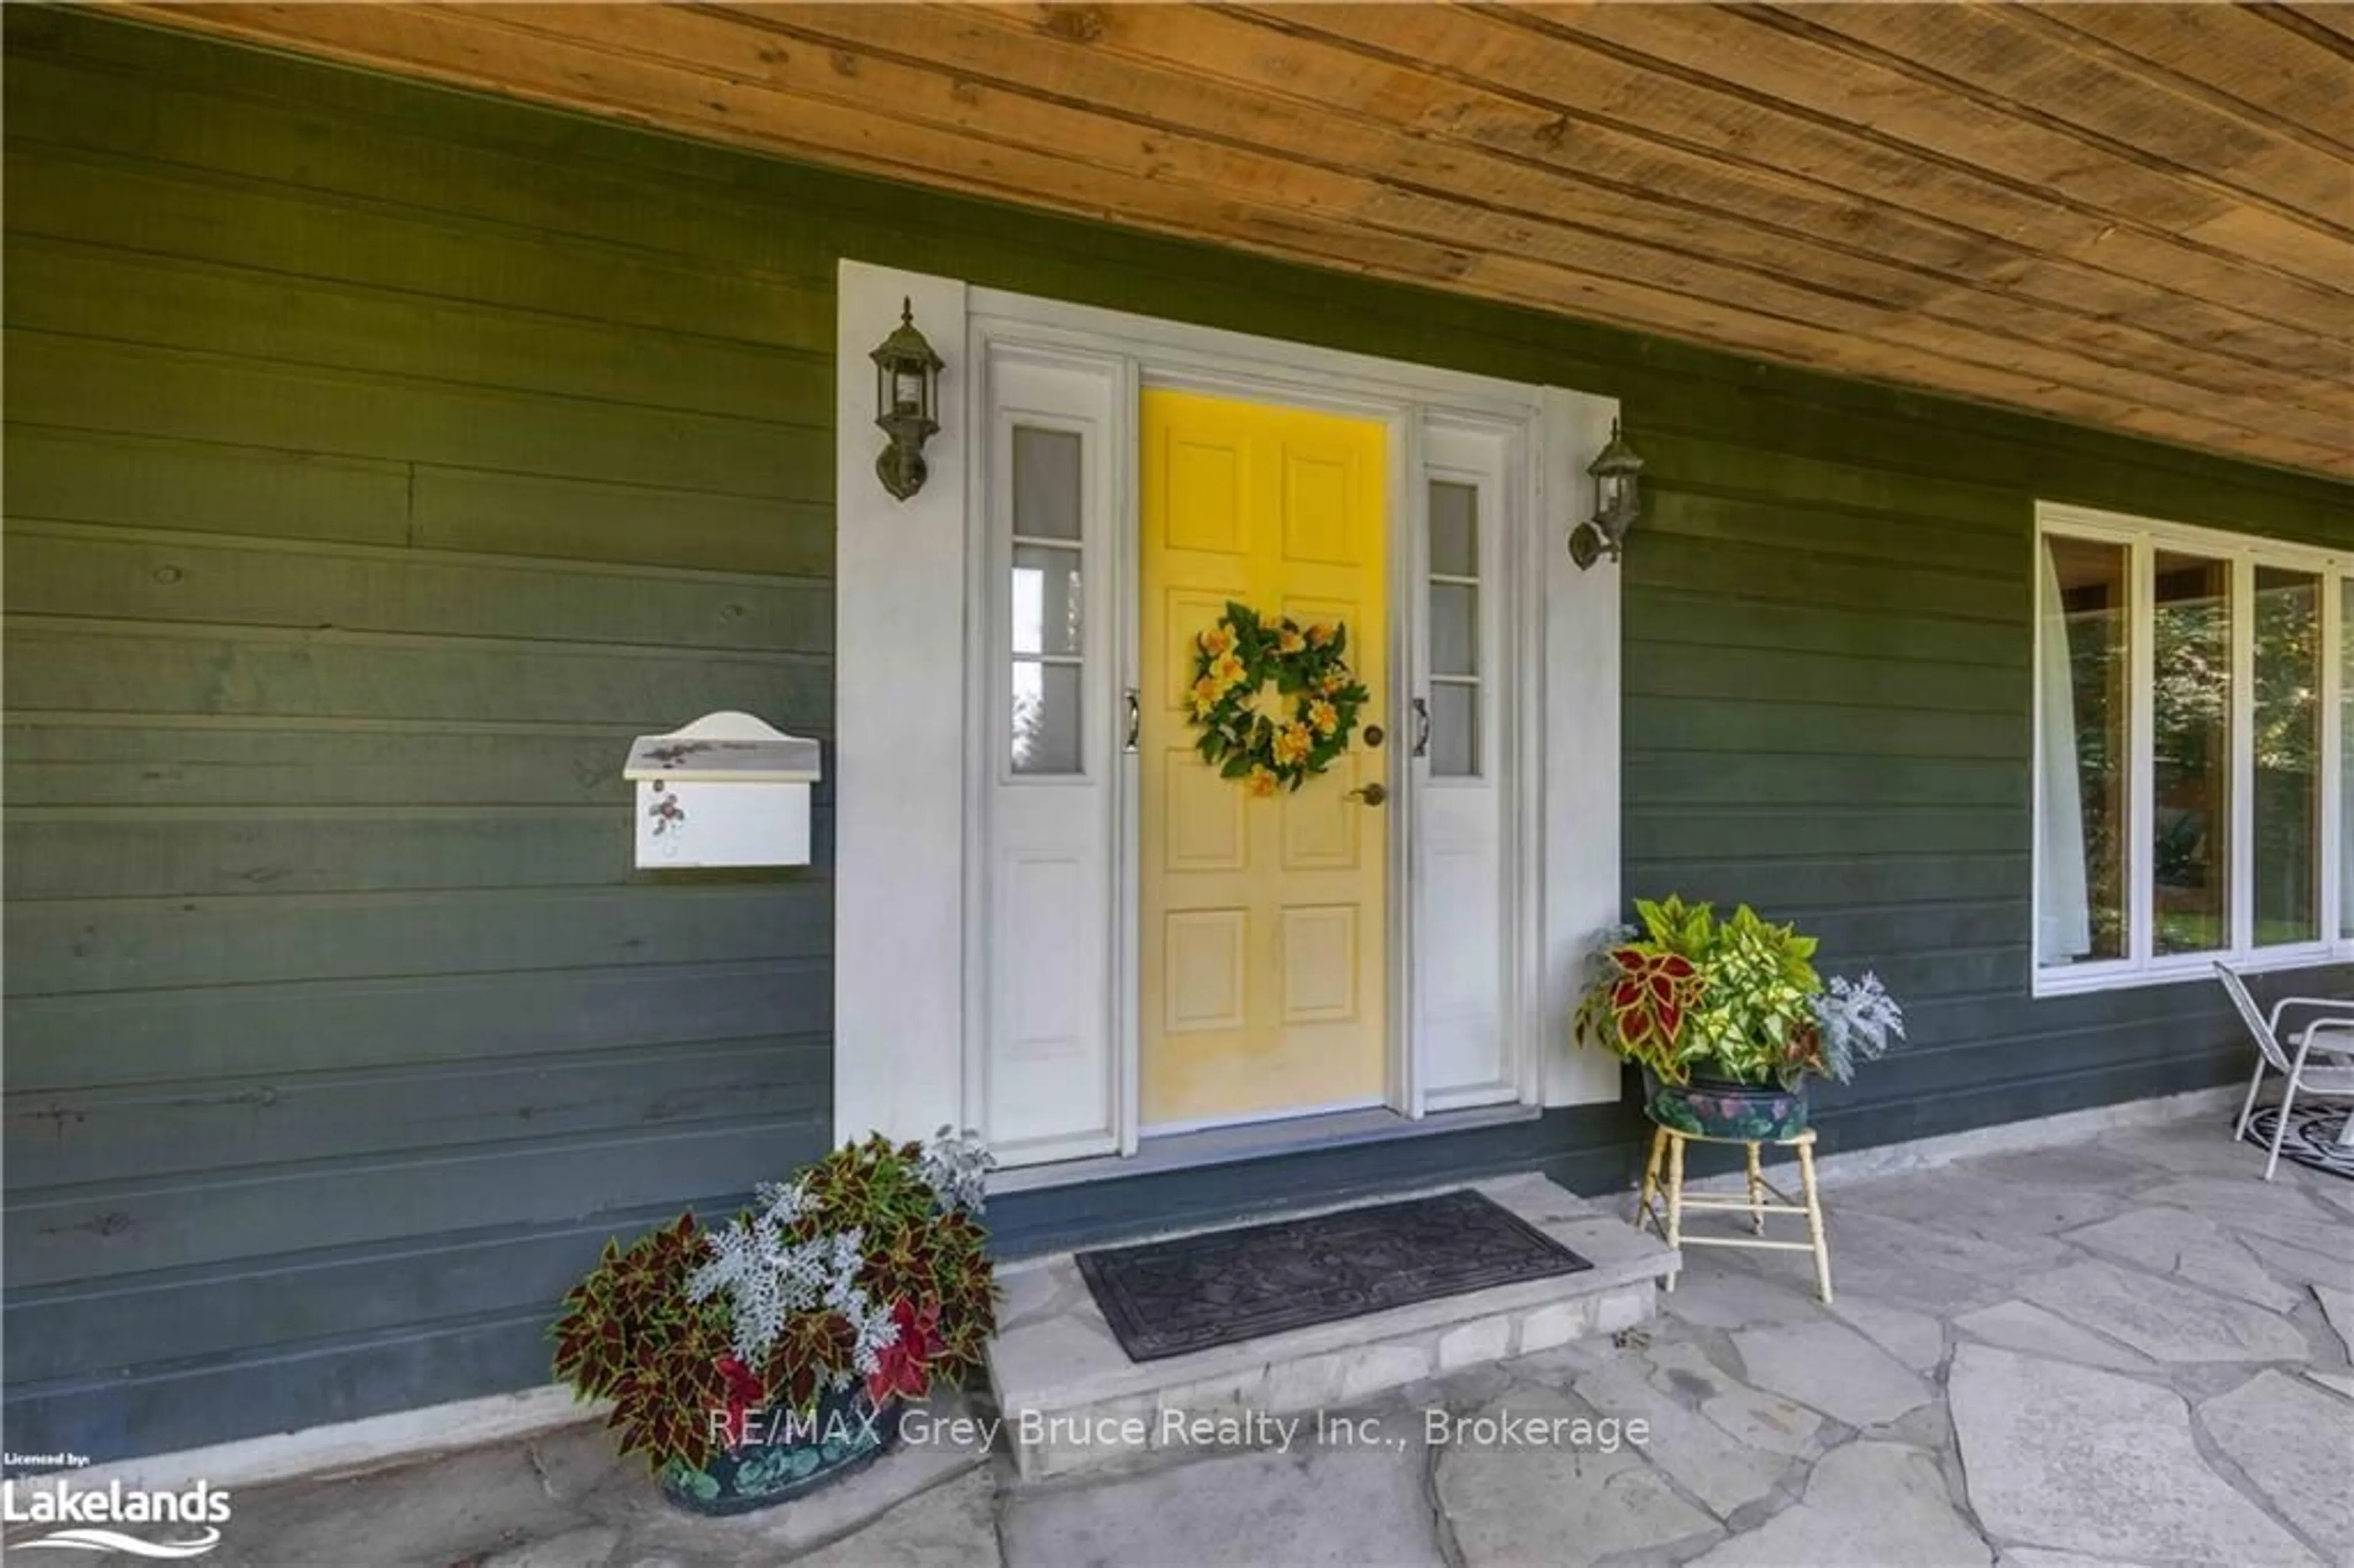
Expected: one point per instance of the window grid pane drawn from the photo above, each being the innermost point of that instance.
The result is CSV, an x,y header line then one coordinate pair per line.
x,y
1047,727
2190,735
2287,801
1455,729
1454,529
1047,600
2083,689
1045,483
1454,629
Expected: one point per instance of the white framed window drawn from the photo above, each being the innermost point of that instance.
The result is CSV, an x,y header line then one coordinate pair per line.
x,y
2193,748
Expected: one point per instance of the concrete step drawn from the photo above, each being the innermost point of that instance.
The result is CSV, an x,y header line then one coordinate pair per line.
x,y
1072,1399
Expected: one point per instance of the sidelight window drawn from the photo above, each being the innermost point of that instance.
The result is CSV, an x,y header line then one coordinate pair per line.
x,y
1454,588
1047,603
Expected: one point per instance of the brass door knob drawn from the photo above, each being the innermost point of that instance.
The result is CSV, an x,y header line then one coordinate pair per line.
x,y
1371,794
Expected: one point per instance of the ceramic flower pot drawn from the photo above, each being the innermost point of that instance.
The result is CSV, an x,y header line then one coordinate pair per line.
x,y
784,1456
1716,1107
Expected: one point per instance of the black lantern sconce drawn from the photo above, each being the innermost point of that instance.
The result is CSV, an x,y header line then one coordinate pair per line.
x,y
1618,503
906,393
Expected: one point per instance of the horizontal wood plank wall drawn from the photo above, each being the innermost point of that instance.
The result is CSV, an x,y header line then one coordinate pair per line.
x,y
367,492
381,458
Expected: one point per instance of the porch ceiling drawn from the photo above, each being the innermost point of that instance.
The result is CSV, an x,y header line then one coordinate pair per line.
x,y
2134,217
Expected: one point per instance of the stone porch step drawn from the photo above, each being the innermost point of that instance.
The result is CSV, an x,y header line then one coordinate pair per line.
x,y
1072,1399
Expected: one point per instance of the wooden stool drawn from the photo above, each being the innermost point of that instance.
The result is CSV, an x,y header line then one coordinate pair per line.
x,y
1667,1147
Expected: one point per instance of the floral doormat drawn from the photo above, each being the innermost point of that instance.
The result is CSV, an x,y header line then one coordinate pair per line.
x,y
1167,1297
2312,1138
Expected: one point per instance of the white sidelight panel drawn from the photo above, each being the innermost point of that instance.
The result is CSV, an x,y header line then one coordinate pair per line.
x,y
1048,713
1460,746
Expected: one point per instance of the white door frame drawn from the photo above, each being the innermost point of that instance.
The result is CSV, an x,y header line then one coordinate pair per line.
x,y
1562,839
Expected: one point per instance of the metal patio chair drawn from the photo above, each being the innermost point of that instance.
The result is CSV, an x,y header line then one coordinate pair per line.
x,y
2331,1035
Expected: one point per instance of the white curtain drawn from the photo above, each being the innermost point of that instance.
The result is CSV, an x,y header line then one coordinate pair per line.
x,y
2064,922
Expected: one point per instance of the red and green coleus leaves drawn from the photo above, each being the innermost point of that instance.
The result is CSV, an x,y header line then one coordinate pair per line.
x,y
1652,994
867,1185
746,1396
628,1333
1802,1050
814,1348
1639,1007
905,1365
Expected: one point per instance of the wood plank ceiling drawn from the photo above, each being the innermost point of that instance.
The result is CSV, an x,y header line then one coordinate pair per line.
x,y
2135,216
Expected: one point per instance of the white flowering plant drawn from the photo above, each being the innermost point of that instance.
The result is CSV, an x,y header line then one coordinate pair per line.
x,y
868,1269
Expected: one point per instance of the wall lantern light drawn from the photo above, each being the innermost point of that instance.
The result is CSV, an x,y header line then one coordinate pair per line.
x,y
907,389
1618,503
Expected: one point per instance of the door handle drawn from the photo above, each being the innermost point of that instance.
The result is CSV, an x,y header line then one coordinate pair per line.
x,y
1135,719
1421,727
1370,794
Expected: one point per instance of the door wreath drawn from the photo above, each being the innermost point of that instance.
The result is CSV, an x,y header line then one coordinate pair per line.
x,y
1318,701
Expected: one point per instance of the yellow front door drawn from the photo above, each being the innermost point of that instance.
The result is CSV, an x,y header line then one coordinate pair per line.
x,y
1262,920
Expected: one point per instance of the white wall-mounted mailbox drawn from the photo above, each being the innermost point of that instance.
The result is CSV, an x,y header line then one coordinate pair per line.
x,y
725,790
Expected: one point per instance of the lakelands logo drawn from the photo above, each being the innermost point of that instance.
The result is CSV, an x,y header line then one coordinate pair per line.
x,y
86,1516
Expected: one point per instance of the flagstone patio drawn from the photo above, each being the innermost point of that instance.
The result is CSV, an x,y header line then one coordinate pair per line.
x,y
2133,1352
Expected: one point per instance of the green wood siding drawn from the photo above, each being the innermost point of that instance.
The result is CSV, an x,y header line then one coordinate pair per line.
x,y
354,528
381,458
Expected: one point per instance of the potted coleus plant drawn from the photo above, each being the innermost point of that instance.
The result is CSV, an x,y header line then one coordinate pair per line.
x,y
1727,1019
752,1363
